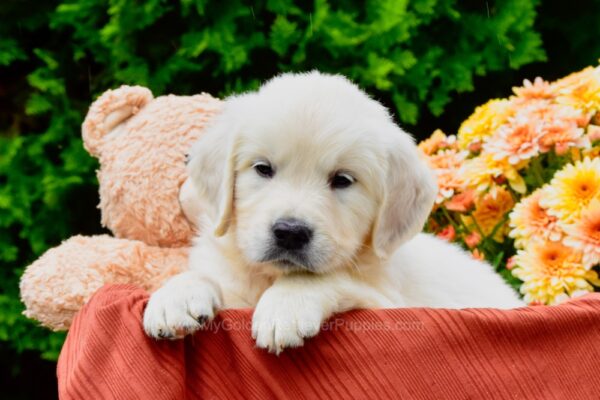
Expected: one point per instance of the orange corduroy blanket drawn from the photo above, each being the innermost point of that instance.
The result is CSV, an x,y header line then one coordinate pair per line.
x,y
528,353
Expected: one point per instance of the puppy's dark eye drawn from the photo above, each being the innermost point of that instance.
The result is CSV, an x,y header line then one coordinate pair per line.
x,y
264,169
341,181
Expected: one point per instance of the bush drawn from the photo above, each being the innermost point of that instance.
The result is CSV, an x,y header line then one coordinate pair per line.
x,y
57,56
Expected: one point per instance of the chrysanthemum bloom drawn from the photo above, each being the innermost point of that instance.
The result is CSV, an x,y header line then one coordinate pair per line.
x,y
437,141
539,89
461,202
449,182
573,79
446,164
584,234
544,111
552,272
510,263
580,90
561,126
484,122
472,239
490,212
447,159
516,141
448,233
478,255
481,172
593,133
593,136
531,222
562,135
572,189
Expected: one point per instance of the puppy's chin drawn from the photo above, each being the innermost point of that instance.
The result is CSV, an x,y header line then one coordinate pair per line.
x,y
290,266
284,264
289,262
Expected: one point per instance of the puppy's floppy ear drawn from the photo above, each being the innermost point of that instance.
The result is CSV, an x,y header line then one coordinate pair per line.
x,y
409,191
212,167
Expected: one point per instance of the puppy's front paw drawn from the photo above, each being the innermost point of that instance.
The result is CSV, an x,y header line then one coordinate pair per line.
x,y
282,319
180,307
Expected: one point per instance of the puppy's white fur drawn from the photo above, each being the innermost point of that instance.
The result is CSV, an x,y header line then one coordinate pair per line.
x,y
365,252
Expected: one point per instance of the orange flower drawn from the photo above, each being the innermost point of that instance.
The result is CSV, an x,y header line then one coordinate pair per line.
x,y
584,235
515,142
449,181
437,141
478,255
490,210
448,233
462,202
446,159
472,239
539,89
446,164
530,221
543,111
475,147
511,263
562,135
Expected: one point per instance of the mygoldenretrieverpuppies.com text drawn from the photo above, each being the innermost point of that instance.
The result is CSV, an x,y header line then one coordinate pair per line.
x,y
332,324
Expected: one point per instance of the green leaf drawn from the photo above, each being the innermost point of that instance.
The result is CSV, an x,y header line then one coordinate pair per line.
x,y
37,104
10,52
283,34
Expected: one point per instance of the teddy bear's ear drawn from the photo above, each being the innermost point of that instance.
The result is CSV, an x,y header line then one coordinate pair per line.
x,y
109,111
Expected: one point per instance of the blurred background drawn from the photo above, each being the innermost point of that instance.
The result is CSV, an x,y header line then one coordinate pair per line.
x,y
430,61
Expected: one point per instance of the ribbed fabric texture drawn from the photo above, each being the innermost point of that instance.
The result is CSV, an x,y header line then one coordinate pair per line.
x,y
529,353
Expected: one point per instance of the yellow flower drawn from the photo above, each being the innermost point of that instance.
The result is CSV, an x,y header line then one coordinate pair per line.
x,y
584,234
572,189
530,221
580,90
481,172
484,122
490,212
552,272
592,152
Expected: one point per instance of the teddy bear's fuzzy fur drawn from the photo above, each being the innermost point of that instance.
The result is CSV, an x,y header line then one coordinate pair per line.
x,y
141,143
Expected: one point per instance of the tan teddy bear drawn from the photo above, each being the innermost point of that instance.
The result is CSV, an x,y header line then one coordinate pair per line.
x,y
141,143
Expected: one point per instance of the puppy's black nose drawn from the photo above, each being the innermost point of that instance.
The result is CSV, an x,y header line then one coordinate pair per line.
x,y
291,234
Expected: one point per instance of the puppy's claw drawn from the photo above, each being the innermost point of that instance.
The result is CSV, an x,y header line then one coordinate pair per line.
x,y
281,321
180,308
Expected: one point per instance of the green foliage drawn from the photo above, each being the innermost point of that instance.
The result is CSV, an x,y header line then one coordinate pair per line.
x,y
57,56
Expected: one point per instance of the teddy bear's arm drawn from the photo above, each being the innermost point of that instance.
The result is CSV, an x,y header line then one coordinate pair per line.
x,y
62,280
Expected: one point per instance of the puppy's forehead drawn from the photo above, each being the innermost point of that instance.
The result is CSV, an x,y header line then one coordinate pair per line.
x,y
314,118
316,91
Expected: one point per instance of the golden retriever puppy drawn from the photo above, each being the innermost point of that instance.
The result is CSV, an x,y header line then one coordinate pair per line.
x,y
315,199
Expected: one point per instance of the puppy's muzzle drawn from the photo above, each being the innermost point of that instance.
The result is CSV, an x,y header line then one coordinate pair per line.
x,y
291,234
